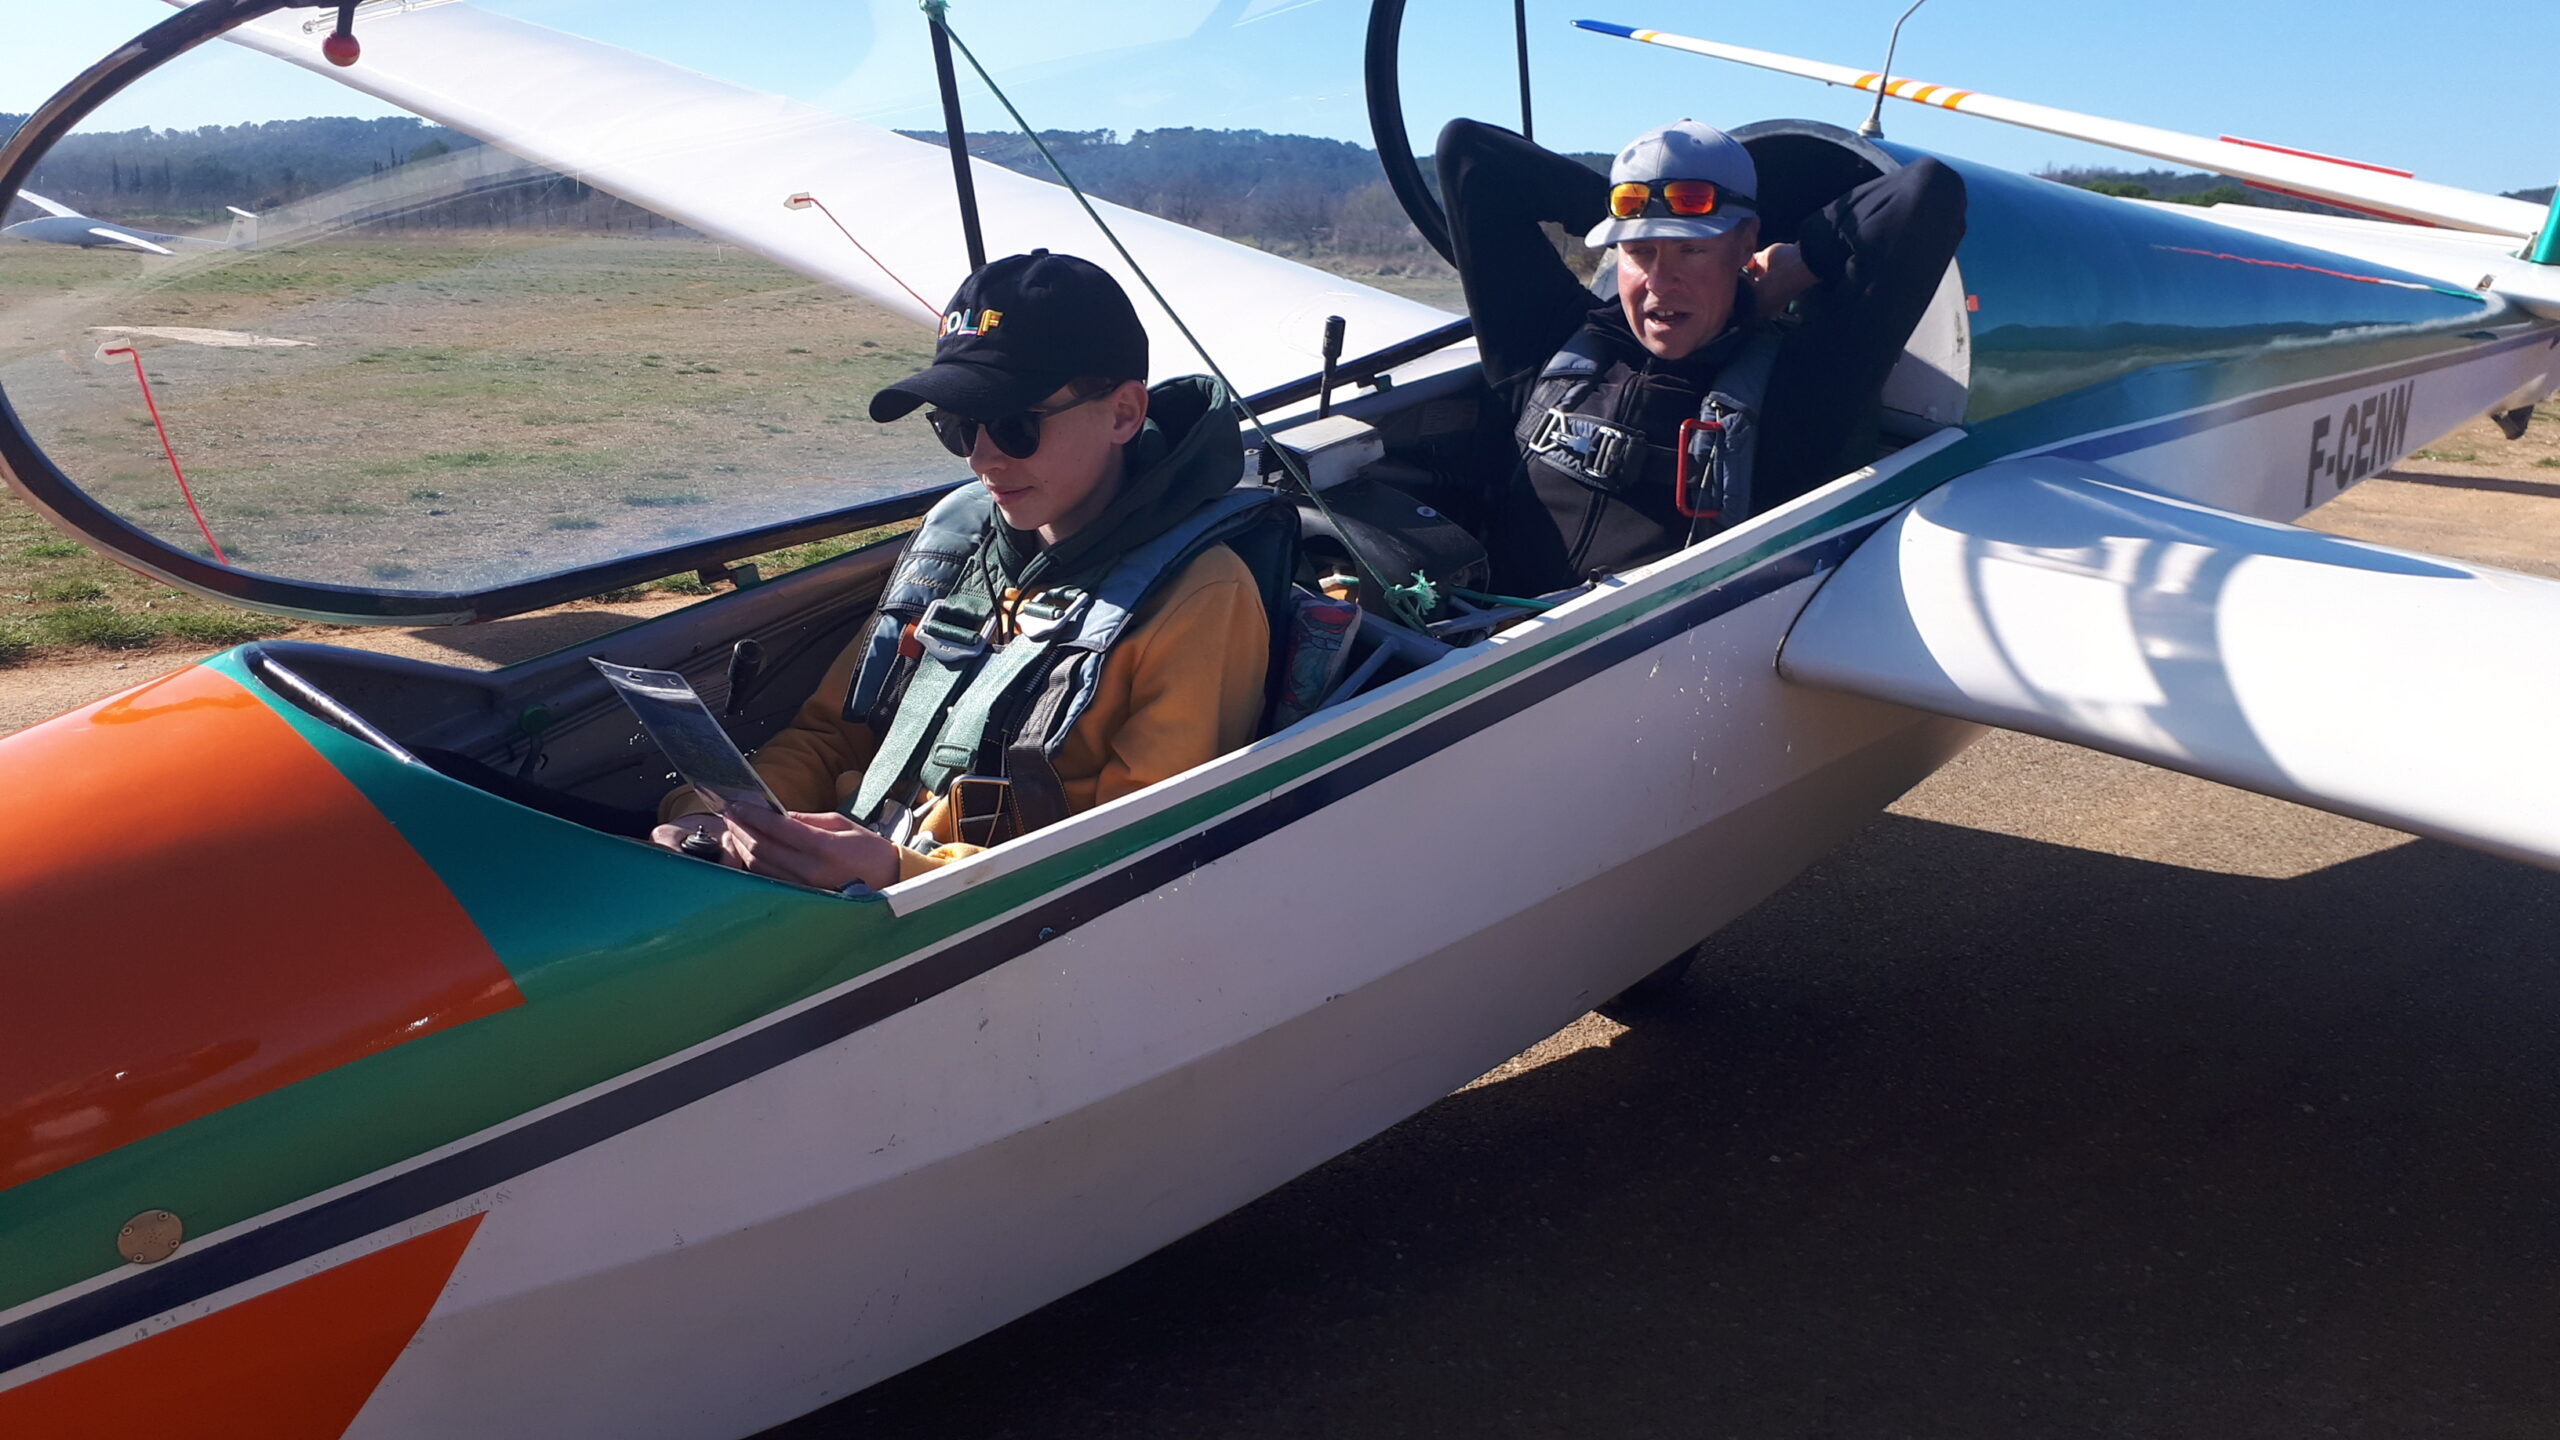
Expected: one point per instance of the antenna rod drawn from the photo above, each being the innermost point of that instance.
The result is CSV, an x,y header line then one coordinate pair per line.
x,y
1874,128
1520,32
958,138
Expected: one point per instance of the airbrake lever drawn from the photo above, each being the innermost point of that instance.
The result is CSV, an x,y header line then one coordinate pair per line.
x,y
746,666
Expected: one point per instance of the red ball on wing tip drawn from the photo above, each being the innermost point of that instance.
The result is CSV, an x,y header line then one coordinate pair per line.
x,y
341,49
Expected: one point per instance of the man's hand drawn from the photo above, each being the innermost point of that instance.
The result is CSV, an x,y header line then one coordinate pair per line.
x,y
1778,277
674,834
824,852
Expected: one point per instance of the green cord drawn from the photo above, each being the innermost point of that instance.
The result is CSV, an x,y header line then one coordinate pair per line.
x,y
1483,597
1398,596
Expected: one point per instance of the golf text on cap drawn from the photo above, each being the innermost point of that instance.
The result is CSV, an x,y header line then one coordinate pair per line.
x,y
959,322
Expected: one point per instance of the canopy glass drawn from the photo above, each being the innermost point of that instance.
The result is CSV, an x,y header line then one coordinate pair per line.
x,y
519,316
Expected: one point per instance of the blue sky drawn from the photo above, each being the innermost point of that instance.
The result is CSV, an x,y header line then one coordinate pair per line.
x,y
2455,96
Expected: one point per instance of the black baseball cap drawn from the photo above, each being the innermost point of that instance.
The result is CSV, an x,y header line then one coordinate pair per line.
x,y
1019,330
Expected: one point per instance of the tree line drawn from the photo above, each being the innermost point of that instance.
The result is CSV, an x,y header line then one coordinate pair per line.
x,y
188,176
1292,194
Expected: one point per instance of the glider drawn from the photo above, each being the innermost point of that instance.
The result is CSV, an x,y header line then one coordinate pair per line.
x,y
482,1122
62,225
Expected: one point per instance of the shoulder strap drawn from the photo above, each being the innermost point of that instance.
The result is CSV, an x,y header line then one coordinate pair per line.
x,y
1131,583
1722,451
926,571
952,641
1570,373
952,713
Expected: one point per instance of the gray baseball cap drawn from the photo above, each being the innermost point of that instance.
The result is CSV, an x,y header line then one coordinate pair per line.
x,y
1685,151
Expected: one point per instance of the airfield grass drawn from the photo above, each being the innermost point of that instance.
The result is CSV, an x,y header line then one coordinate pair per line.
x,y
471,409
468,410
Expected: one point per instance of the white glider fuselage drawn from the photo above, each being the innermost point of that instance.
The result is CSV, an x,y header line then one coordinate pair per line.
x,y
1099,1037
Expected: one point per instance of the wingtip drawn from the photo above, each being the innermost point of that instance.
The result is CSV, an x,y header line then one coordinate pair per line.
x,y
1623,32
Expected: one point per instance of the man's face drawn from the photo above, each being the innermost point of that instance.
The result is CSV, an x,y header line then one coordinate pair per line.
x,y
1061,486
1679,293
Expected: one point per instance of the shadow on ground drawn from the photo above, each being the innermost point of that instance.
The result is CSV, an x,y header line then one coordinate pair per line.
x,y
2497,484
1960,1135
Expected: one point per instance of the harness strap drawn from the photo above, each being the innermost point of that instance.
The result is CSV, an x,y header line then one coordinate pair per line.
x,y
947,709
929,568
1046,621
1040,797
954,652
1722,447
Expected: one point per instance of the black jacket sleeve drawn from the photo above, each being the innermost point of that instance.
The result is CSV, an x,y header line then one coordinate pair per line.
x,y
1497,188
1879,252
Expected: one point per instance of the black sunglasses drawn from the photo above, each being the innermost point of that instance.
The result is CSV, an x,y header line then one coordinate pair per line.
x,y
1017,435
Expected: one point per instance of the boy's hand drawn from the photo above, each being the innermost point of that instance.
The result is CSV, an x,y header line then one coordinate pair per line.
x,y
823,851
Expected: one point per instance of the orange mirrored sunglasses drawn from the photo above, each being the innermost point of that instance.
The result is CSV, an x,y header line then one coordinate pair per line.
x,y
1677,197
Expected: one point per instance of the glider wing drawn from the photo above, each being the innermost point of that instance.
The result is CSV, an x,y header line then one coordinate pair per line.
x,y
119,237
723,159
2043,596
2349,183
49,207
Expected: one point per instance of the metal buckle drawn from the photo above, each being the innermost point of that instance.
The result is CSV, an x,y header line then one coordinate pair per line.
x,y
1594,449
1039,616
933,633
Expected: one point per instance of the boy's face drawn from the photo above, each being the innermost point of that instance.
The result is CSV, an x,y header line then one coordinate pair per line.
x,y
1678,294
1061,486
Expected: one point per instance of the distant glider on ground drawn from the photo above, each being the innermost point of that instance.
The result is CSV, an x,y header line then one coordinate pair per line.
x,y
62,225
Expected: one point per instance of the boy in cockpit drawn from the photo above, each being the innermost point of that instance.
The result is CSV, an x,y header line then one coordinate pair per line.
x,y
922,744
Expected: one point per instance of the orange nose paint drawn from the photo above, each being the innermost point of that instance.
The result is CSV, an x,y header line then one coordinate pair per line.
x,y
199,909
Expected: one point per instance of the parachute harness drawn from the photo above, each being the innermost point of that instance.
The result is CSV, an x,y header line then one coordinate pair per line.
x,y
1407,601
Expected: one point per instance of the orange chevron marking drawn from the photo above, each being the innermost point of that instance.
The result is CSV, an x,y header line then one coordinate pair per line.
x,y
1921,95
266,922
1868,80
1956,99
292,1364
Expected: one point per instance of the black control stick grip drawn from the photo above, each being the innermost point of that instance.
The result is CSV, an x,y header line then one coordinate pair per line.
x,y
746,666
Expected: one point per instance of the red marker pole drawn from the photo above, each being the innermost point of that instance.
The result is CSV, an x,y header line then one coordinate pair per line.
x,y
166,449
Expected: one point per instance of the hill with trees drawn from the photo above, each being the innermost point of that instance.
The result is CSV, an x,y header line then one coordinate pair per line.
x,y
188,176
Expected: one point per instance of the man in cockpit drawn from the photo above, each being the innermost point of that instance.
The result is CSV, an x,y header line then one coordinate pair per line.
x,y
1038,380
1724,378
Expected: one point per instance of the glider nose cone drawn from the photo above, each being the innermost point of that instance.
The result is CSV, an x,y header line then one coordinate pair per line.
x,y
204,911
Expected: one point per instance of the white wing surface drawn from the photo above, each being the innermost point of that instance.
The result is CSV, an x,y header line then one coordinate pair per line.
x,y
119,237
722,159
2042,596
2349,183
49,207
